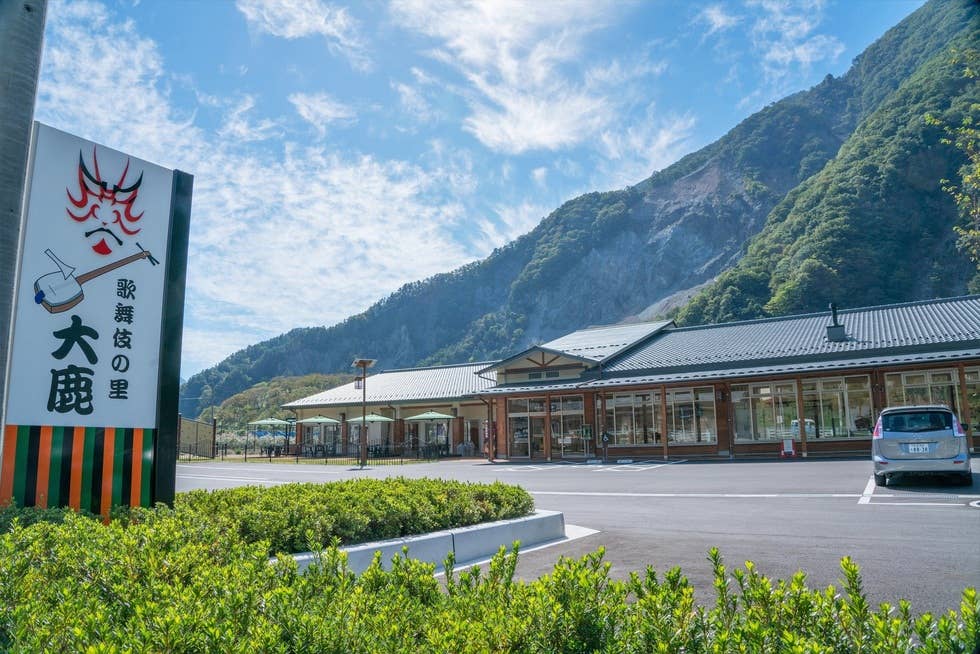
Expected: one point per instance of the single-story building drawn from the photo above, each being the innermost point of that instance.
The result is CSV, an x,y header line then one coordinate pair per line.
x,y
403,411
815,382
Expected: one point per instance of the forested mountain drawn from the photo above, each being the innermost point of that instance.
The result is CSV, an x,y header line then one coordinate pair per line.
x,y
830,193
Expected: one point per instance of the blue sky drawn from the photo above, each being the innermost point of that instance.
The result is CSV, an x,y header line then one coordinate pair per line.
x,y
342,150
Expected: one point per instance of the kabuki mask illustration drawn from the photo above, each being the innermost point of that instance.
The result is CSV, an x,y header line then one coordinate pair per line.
x,y
105,208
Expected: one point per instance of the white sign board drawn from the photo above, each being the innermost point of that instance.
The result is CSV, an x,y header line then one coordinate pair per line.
x,y
90,290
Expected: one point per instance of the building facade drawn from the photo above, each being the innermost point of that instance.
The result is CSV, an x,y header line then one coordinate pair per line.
x,y
436,409
813,383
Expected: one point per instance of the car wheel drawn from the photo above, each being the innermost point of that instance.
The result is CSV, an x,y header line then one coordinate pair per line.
x,y
881,479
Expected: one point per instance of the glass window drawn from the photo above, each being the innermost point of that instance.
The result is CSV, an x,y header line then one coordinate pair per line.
x,y
691,415
973,399
929,387
765,412
836,408
633,419
525,433
567,434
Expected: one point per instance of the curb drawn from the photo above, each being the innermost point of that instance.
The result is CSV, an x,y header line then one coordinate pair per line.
x,y
467,543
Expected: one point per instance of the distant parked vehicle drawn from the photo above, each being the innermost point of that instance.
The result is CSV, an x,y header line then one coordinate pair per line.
x,y
919,439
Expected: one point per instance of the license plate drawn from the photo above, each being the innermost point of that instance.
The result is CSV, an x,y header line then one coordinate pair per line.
x,y
918,448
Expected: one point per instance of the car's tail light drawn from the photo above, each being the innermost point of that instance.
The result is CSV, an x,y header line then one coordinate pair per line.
x,y
877,432
958,427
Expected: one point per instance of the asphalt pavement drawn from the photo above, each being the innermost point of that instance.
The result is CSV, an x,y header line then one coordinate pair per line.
x,y
918,539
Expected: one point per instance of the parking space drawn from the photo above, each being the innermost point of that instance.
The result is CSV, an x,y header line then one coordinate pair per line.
x,y
784,515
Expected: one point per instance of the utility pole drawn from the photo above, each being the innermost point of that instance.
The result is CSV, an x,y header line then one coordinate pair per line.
x,y
21,38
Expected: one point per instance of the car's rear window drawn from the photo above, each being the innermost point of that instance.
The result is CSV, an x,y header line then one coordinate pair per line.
x,y
917,421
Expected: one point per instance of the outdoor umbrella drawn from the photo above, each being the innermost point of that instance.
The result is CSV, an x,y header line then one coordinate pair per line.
x,y
431,415
319,420
371,417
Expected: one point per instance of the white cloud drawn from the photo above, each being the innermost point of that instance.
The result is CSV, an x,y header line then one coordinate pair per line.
x,y
717,19
517,60
413,102
511,222
319,110
238,126
634,153
784,35
540,176
294,19
278,238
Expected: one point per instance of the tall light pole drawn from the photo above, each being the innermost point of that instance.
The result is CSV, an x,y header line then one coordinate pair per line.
x,y
21,36
363,364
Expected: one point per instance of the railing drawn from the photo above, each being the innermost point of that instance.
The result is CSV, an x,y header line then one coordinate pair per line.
x,y
195,440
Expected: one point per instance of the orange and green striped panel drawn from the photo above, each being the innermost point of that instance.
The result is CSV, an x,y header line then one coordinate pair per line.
x,y
91,468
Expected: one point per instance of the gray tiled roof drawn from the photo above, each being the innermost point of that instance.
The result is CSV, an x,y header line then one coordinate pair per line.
x,y
932,325
406,385
829,366
599,343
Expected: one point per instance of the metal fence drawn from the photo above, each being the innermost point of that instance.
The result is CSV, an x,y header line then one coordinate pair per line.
x,y
376,454
195,439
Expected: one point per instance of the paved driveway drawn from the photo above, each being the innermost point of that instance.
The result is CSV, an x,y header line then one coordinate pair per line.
x,y
919,540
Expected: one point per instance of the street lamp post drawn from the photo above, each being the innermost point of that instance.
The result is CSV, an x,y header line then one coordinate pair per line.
x,y
363,364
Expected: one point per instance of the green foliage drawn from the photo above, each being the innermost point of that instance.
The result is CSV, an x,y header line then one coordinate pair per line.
x,y
866,228
965,137
167,585
265,399
292,516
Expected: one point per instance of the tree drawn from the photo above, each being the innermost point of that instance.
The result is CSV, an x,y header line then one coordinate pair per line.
x,y
966,191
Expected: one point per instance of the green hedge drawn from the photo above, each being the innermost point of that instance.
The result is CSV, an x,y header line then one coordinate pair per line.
x,y
354,511
164,585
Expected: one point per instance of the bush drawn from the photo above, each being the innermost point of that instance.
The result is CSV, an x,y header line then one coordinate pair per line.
x,y
158,585
291,516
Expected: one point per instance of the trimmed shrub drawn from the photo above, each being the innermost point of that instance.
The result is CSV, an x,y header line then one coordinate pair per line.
x,y
197,578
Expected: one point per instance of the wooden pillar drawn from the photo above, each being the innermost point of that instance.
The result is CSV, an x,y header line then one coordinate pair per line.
x,y
547,427
399,432
588,416
503,438
724,441
965,404
457,432
879,396
663,419
800,417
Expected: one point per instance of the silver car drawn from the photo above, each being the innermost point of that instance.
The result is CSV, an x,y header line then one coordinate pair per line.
x,y
917,439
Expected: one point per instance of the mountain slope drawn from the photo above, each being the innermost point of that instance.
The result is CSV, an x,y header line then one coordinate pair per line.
x,y
873,226
604,256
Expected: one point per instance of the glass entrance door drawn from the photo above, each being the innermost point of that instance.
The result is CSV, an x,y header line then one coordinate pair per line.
x,y
537,437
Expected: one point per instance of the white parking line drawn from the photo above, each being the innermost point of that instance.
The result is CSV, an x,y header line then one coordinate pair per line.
x,y
917,504
633,467
869,490
699,495
256,480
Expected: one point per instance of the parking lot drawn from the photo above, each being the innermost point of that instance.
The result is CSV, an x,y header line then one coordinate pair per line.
x,y
918,539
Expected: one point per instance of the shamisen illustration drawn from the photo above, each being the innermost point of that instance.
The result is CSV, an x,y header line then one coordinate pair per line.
x,y
61,290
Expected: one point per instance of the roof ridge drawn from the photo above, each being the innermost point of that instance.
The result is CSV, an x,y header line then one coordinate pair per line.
x,y
438,367
796,316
